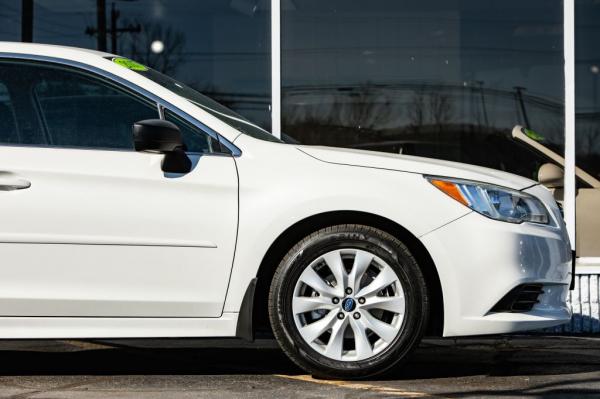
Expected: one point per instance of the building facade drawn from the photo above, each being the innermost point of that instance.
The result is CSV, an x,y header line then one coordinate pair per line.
x,y
447,79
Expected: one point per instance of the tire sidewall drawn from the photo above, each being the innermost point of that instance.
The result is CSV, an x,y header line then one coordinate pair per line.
x,y
387,248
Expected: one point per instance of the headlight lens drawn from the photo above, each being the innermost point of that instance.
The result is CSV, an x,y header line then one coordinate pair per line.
x,y
493,201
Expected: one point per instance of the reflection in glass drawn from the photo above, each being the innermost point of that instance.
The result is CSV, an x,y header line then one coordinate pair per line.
x,y
218,47
439,78
587,135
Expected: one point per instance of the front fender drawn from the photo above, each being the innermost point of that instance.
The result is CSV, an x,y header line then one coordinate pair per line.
x,y
282,186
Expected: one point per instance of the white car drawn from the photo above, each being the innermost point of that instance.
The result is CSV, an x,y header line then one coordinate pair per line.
x,y
197,223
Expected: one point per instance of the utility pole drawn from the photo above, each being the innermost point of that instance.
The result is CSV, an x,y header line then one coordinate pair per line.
x,y
595,70
27,21
520,90
483,106
114,15
101,24
101,30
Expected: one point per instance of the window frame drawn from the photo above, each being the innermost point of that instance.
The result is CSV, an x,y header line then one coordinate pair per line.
x,y
226,147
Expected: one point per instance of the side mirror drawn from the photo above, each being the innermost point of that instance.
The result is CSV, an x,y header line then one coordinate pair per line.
x,y
551,175
157,135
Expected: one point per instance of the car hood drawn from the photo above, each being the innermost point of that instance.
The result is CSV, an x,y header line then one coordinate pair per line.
x,y
413,164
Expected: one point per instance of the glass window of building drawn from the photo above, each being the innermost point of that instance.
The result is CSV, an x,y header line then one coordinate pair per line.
x,y
220,48
587,136
446,79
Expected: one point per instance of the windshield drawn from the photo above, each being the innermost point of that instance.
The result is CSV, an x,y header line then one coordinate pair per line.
x,y
226,115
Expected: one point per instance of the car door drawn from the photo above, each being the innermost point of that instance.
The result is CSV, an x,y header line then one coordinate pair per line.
x,y
89,226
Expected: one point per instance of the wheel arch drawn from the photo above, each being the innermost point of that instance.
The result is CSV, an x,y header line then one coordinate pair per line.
x,y
302,228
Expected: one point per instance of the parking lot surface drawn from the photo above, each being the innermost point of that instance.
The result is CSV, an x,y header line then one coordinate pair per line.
x,y
502,367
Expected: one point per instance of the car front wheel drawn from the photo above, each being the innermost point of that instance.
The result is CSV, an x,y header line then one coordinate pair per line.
x,y
348,301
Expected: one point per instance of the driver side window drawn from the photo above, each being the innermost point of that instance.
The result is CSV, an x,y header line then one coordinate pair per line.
x,y
57,106
79,111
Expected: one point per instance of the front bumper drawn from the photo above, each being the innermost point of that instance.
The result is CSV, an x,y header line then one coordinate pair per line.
x,y
480,260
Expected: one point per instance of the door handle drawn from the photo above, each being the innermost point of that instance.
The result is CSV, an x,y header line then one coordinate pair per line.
x,y
13,183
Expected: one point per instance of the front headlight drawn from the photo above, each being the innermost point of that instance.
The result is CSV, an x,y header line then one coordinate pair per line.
x,y
495,202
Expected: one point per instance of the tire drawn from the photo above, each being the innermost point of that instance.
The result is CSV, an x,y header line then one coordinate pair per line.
x,y
343,350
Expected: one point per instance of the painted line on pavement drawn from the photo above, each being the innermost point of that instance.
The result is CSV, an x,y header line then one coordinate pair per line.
x,y
86,345
360,386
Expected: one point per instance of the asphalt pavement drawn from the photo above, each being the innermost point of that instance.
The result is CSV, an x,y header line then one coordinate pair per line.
x,y
499,367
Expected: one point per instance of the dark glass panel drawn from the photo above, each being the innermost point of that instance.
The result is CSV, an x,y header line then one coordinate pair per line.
x,y
440,78
587,85
587,135
219,47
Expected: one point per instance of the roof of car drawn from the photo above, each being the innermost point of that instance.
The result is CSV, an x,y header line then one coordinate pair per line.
x,y
48,50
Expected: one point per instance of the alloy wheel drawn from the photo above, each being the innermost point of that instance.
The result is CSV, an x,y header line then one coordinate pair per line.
x,y
348,305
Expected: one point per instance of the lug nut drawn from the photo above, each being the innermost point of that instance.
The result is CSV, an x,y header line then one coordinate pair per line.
x,y
340,316
348,291
356,315
361,300
335,300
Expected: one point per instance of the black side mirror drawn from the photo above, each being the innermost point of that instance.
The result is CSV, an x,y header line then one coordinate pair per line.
x,y
158,135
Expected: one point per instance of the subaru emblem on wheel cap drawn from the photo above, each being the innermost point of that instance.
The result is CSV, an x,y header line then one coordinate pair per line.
x,y
348,305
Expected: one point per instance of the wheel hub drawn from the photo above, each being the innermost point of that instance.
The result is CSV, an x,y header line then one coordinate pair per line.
x,y
348,304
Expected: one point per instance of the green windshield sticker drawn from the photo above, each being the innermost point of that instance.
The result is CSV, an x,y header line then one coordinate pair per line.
x,y
533,135
129,64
